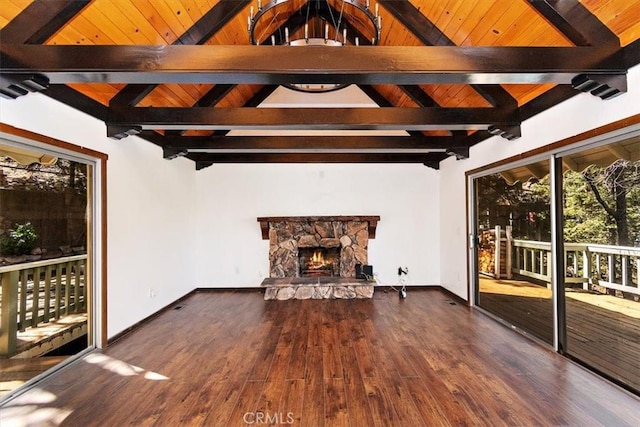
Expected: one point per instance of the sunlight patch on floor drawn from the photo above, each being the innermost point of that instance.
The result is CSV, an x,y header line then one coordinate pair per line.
x,y
31,409
122,368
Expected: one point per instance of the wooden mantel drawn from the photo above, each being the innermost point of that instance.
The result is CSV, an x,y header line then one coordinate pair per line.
x,y
371,219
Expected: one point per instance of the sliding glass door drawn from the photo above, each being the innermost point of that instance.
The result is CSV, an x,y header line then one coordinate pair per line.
x,y
46,270
567,275
513,256
601,205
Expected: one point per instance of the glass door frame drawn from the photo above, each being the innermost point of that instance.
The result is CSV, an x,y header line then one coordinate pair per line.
x,y
96,235
473,235
553,153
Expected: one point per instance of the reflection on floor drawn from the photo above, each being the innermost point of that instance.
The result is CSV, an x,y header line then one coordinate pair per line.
x,y
603,330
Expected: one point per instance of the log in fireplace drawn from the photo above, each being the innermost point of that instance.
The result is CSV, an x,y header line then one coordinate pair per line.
x,y
319,262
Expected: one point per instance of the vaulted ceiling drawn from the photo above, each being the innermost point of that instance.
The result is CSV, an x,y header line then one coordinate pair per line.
x,y
182,74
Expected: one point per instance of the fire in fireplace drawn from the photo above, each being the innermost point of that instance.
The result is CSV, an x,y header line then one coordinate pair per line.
x,y
319,262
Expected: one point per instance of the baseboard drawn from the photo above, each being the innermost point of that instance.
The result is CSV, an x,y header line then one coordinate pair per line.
x,y
250,289
455,297
148,318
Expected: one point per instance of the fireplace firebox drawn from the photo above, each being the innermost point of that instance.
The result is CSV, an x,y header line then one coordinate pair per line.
x,y
319,262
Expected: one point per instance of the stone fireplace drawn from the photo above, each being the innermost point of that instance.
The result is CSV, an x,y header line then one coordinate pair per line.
x,y
308,251
288,235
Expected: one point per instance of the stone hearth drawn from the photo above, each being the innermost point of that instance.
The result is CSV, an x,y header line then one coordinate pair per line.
x,y
349,234
317,288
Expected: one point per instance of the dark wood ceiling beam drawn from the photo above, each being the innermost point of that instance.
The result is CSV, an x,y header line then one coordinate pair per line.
x,y
257,99
427,32
292,143
381,101
156,118
77,100
41,20
210,23
260,96
131,94
289,64
420,97
577,23
210,99
35,25
318,158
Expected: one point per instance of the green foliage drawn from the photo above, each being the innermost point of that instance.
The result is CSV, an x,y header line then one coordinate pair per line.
x,y
524,206
601,205
584,218
19,241
611,220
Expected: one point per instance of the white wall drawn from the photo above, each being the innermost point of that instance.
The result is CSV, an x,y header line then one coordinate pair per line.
x,y
231,198
579,114
150,209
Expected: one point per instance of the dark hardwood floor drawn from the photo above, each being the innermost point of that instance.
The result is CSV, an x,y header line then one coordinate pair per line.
x,y
231,358
603,331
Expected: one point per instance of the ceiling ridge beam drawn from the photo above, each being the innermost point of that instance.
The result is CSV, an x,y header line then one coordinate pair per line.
x,y
41,20
429,34
201,31
576,23
348,64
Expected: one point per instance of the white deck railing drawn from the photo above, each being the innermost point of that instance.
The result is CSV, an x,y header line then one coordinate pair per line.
x,y
39,292
612,267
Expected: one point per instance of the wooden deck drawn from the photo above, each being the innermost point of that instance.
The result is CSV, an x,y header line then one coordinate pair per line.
x,y
603,331
33,343
226,358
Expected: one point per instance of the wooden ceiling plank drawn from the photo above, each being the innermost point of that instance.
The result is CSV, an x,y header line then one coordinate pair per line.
x,y
289,64
199,33
124,17
446,18
99,27
40,20
212,22
12,8
496,10
621,16
494,36
153,118
173,18
427,32
577,23
477,16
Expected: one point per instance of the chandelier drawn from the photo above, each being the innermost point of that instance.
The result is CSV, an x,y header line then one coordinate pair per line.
x,y
316,23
